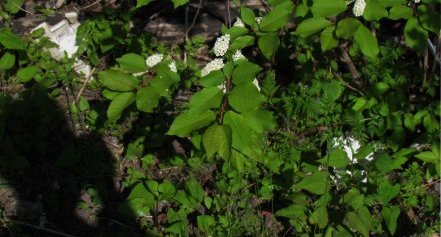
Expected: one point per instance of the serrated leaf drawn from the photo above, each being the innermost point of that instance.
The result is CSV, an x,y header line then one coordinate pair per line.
x,y
205,99
26,74
400,12
193,187
319,217
269,44
316,183
147,99
217,139
390,216
167,190
374,10
387,192
205,223
245,97
415,36
353,198
132,63
260,120
119,104
184,124
117,80
337,158
13,6
243,138
245,72
311,26
326,8
427,156
7,61
346,28
327,39
366,41
360,221
277,17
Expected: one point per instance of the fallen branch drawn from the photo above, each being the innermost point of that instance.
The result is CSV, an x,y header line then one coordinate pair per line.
x,y
356,77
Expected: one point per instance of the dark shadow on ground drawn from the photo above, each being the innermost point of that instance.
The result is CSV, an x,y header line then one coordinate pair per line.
x,y
49,170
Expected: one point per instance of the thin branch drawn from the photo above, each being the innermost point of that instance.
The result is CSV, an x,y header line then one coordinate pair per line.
x,y
84,85
194,19
41,228
344,57
229,14
90,5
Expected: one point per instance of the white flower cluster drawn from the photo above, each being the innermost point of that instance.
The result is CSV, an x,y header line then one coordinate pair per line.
x,y
222,87
258,19
172,67
238,55
154,59
359,7
221,46
256,83
238,23
417,1
214,65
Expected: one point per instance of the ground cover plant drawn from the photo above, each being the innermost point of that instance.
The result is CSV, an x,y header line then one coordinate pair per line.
x,y
300,118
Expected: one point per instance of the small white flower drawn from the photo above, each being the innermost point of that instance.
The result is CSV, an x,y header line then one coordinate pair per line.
x,y
256,83
417,1
214,65
153,60
221,46
172,67
258,19
238,23
359,7
222,87
238,55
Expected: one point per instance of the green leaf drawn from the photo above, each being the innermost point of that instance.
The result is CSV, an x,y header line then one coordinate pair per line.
x,y
347,27
409,122
178,3
132,63
428,156
247,15
193,187
391,3
245,72
327,39
243,138
235,32
353,198
277,17
10,41
390,216
217,139
316,183
184,124
167,190
205,99
338,159
326,8
366,41
140,3
319,217
27,73
386,192
117,80
415,36
205,223
400,12
360,220
119,104
7,61
152,186
311,26
147,99
13,6
374,10
429,18
241,42
214,78
245,97
269,44
260,120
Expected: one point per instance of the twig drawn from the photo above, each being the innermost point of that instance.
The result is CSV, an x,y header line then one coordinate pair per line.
x,y
229,14
194,19
90,5
353,70
41,228
345,83
225,104
84,85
